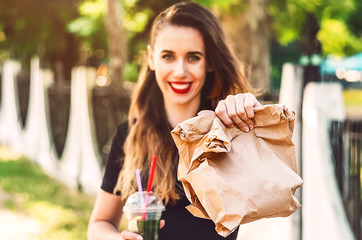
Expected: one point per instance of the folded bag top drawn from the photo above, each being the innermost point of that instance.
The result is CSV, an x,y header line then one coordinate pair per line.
x,y
233,177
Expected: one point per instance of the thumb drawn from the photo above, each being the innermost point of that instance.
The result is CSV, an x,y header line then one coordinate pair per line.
x,y
126,235
204,112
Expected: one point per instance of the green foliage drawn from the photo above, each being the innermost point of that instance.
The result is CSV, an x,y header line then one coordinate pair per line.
x,y
337,39
225,6
334,19
83,26
36,27
91,19
354,21
130,72
90,28
56,30
62,213
135,20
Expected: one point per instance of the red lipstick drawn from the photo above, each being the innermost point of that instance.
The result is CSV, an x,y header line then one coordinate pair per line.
x,y
180,87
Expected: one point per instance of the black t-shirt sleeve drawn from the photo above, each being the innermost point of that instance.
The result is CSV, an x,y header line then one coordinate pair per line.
x,y
115,158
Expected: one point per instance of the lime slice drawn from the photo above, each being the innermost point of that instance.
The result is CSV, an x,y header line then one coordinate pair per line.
x,y
132,224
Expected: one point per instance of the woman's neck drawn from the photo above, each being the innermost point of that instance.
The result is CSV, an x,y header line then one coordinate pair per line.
x,y
177,113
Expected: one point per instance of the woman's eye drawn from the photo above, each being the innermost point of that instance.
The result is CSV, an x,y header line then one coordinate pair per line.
x,y
194,58
167,57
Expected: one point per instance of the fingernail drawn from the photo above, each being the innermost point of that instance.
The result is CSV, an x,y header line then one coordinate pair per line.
x,y
246,129
251,126
139,238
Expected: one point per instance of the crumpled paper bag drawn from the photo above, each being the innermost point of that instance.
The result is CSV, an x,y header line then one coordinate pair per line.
x,y
233,177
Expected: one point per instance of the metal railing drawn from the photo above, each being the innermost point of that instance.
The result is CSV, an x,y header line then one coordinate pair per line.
x,y
346,142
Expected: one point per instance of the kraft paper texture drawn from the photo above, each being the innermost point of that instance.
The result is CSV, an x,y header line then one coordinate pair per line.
x,y
233,177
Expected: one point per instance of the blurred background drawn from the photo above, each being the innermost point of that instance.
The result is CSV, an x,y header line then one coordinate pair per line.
x,y
68,68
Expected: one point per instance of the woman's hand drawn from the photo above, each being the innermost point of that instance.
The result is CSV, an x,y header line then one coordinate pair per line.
x,y
126,235
238,110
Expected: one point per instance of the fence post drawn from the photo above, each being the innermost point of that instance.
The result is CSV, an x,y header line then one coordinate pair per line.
x,y
353,199
291,95
9,117
80,164
36,143
90,174
323,213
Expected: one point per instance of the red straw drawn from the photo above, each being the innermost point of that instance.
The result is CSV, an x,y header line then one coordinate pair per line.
x,y
149,184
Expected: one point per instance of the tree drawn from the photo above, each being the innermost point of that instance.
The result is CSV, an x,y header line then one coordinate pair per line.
x,y
38,28
338,33
249,30
90,28
116,40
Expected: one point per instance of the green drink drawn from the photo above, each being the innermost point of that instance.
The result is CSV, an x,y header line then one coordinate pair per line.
x,y
148,229
143,211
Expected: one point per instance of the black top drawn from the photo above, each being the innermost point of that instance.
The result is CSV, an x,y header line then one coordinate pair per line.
x,y
180,223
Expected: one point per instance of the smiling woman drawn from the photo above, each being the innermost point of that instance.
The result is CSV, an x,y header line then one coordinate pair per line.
x,y
188,68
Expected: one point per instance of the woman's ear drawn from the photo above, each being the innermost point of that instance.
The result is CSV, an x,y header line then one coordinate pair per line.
x,y
150,58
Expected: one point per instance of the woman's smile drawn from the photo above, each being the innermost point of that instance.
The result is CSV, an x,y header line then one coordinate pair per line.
x,y
180,87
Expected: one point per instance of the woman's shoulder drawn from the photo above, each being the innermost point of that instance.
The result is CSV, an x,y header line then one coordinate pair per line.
x,y
120,134
115,158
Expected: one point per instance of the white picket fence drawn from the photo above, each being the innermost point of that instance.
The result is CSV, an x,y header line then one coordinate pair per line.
x,y
322,214
79,164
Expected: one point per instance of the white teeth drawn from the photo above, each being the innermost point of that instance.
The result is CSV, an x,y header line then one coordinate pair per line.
x,y
180,86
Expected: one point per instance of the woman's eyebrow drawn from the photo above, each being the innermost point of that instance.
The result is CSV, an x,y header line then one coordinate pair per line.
x,y
166,51
189,53
196,52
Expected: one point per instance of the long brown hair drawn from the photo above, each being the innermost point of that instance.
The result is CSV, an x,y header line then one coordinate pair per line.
x,y
149,130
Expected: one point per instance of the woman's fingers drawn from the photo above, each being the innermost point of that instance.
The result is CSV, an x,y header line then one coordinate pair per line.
x,y
244,111
222,113
238,110
162,223
126,235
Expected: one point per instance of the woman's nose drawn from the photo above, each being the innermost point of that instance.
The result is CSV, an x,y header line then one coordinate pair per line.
x,y
180,69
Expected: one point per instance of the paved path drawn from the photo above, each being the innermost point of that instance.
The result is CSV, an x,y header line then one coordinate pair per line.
x,y
266,229
15,226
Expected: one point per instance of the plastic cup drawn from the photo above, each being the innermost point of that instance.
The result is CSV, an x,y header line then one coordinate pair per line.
x,y
141,219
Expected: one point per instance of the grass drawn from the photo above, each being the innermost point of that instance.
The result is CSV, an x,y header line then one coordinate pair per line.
x,y
353,102
63,213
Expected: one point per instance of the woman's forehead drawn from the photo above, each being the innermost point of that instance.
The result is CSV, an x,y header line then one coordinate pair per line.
x,y
179,37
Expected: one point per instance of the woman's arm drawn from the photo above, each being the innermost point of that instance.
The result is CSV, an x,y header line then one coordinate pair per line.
x,y
106,217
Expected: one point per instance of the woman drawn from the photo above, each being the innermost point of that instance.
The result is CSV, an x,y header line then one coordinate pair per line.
x,y
189,68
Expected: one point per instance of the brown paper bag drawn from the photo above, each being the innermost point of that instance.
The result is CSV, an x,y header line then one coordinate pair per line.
x,y
233,177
